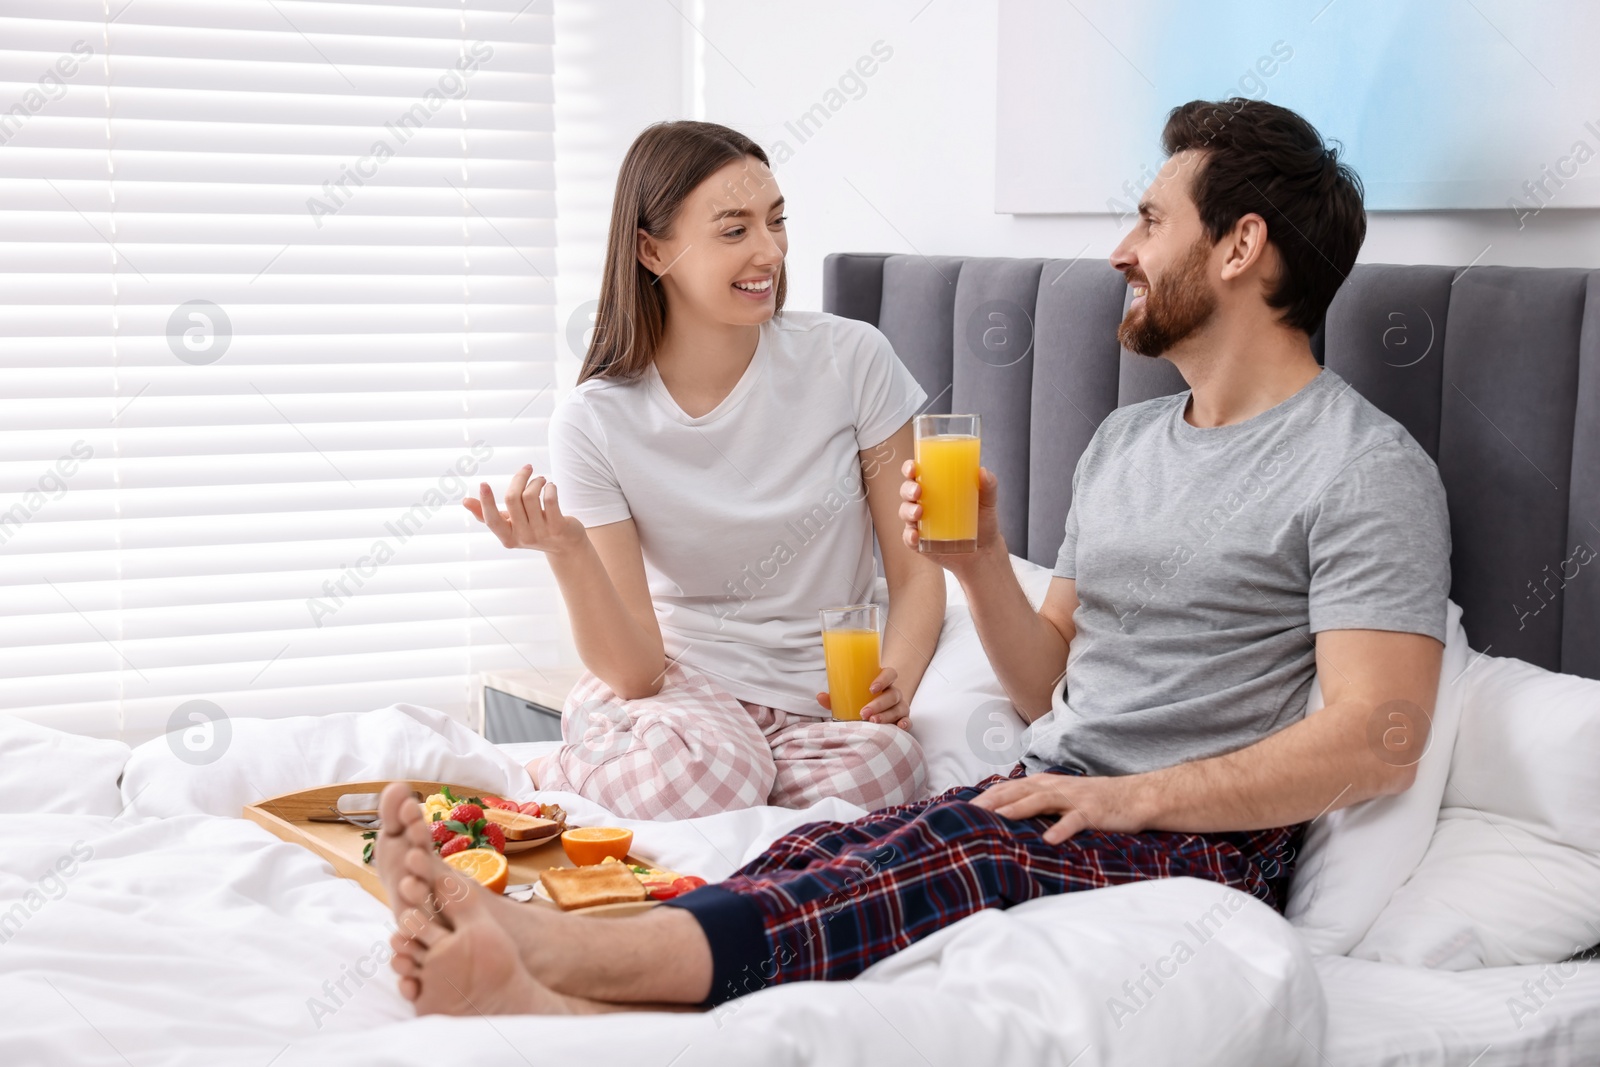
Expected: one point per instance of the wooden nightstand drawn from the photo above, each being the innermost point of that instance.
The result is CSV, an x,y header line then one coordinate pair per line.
x,y
524,705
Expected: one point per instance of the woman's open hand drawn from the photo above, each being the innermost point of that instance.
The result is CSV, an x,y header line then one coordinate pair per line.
x,y
532,518
888,705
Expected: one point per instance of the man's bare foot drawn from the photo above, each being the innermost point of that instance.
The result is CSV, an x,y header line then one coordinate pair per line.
x,y
588,964
525,927
462,962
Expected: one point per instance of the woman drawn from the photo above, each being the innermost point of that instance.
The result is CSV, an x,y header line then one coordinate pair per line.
x,y
722,470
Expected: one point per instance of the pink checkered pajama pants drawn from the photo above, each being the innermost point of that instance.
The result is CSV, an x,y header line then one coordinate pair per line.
x,y
692,750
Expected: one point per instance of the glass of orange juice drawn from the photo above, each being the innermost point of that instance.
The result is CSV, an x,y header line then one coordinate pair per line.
x,y
850,646
946,451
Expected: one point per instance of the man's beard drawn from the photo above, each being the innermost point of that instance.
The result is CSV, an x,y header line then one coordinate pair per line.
x,y
1182,305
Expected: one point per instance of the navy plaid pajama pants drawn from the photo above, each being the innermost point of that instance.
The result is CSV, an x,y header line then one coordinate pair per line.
x,y
829,899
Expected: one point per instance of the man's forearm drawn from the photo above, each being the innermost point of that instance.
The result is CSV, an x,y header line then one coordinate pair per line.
x,y
1320,764
1028,654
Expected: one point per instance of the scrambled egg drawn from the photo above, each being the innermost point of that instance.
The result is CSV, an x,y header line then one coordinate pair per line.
x,y
436,807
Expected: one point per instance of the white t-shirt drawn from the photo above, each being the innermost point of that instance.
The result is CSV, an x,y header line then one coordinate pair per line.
x,y
752,517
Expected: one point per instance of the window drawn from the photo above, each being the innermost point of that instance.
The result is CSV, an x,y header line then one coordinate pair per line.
x,y
277,289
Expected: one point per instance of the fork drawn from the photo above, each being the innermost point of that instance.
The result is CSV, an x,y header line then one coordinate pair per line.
x,y
366,822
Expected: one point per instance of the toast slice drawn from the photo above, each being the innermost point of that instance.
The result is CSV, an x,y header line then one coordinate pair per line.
x,y
588,887
519,827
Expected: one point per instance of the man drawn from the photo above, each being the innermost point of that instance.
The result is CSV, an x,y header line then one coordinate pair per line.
x,y
1223,546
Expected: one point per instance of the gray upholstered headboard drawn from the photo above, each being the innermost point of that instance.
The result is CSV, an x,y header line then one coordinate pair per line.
x,y
1494,370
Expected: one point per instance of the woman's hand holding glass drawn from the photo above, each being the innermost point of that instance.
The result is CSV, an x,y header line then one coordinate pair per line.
x,y
888,707
532,518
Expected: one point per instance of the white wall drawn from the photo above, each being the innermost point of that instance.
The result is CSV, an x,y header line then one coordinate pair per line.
x,y
909,166
618,68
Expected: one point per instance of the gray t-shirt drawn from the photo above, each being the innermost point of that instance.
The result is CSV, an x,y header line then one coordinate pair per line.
x,y
1206,559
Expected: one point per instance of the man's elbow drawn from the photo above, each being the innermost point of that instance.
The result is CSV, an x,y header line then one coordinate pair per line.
x,y
1396,780
1396,735
1032,711
1037,702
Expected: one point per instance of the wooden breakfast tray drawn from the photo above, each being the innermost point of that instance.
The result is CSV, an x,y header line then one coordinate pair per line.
x,y
340,843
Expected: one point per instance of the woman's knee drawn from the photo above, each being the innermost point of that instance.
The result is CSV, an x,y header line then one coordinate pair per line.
x,y
665,766
903,761
871,766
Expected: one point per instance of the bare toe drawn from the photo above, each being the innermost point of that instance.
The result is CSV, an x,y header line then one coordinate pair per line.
x,y
411,925
402,827
459,949
423,933
415,894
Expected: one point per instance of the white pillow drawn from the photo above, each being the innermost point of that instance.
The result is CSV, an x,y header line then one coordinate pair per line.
x,y
966,724
45,770
264,758
1513,872
1352,860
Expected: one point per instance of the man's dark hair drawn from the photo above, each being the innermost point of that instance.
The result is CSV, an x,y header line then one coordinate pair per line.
x,y
1262,158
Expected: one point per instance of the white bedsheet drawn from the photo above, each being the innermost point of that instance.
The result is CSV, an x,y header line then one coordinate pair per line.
x,y
203,939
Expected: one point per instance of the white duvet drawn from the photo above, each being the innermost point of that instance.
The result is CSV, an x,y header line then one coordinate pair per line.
x,y
142,923
156,936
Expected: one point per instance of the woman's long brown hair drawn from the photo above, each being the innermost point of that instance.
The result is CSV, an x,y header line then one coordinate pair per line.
x,y
664,165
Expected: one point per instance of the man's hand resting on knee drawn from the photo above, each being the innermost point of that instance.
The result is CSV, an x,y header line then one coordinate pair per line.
x,y
1083,803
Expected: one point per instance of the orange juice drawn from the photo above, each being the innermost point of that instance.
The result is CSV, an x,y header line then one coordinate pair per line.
x,y
947,467
852,658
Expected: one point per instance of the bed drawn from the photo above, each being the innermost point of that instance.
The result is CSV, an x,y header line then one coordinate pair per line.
x,y
143,922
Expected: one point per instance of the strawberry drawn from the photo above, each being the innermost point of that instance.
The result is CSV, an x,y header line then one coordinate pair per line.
x,y
442,833
503,805
458,843
495,835
531,808
465,813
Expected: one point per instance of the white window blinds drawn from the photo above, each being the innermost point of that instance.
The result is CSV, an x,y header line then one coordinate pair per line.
x,y
274,290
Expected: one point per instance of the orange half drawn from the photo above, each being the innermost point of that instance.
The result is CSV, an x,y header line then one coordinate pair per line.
x,y
592,844
484,865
